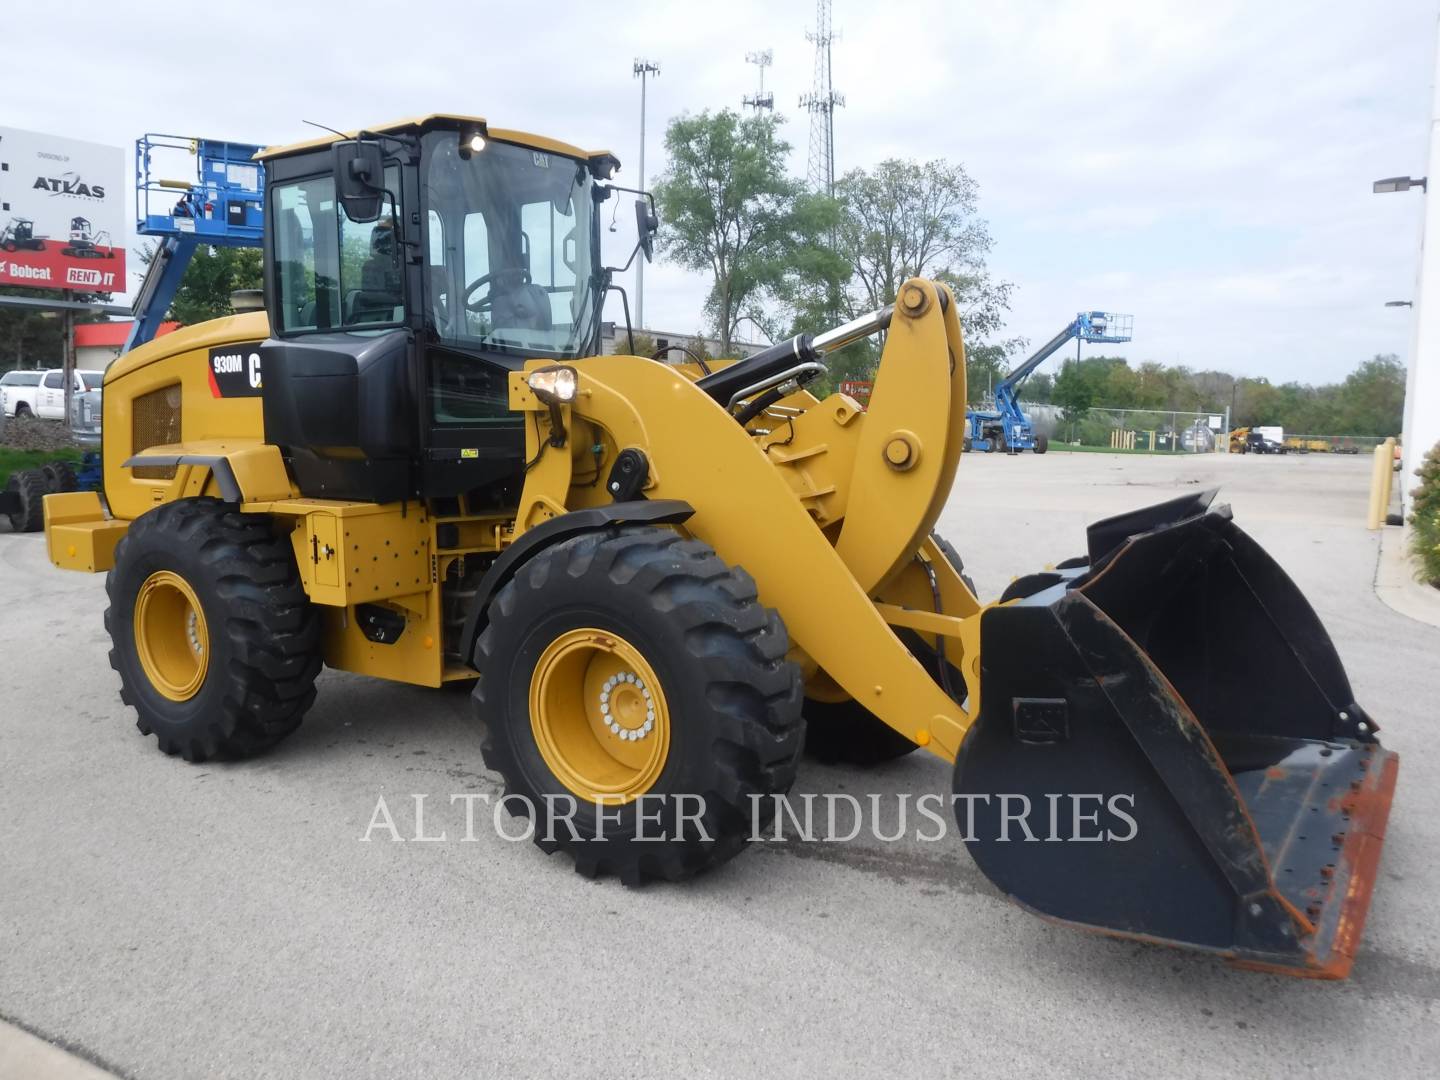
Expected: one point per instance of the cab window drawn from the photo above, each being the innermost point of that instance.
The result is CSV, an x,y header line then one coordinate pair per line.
x,y
54,380
332,273
550,241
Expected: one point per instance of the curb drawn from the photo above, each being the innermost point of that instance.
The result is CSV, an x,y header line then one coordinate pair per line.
x,y
1395,582
25,1055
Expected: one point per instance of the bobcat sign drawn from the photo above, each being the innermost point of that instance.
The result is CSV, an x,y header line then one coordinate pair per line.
x,y
62,220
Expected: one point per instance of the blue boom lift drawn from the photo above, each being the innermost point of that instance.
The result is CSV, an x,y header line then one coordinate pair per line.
x,y
222,205
1006,427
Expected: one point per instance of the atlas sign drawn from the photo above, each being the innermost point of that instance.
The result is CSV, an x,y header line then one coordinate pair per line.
x,y
62,219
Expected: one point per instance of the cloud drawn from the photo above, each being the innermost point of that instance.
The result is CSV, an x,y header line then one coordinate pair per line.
x,y
1205,167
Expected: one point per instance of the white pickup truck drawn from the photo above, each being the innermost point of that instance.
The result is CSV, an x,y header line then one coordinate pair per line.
x,y
42,393
18,390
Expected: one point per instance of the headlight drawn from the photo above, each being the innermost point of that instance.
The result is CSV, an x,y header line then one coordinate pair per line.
x,y
554,384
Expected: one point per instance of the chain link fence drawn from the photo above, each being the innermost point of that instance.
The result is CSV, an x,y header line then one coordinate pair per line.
x,y
1168,431
1154,431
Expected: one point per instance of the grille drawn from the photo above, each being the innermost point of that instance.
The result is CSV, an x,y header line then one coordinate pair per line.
x,y
155,421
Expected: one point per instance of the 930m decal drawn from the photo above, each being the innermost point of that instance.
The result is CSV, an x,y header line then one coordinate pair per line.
x,y
235,370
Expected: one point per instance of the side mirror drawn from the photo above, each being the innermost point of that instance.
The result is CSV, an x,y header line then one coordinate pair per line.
x,y
359,171
647,223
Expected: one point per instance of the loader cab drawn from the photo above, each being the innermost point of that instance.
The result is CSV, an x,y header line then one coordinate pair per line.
x,y
408,272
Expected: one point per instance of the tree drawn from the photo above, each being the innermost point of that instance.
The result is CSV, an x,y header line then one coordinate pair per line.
x,y
985,365
727,206
907,219
1040,388
1150,386
1073,391
1372,398
30,338
644,344
1118,386
213,274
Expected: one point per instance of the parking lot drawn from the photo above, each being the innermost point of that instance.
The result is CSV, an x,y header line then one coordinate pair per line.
x,y
171,920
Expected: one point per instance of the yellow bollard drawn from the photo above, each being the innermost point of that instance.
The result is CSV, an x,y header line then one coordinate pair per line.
x,y
1381,477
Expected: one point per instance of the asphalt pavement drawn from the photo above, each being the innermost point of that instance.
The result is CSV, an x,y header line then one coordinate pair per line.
x,y
168,920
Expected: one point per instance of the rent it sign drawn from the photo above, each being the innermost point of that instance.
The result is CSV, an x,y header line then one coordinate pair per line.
x,y
62,220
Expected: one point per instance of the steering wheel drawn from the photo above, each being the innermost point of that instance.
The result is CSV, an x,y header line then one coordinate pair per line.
x,y
517,273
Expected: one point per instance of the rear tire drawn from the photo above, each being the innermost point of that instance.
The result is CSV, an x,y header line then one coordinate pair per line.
x,y
845,732
22,410
725,709
1001,444
30,485
953,558
60,477
219,582
1042,443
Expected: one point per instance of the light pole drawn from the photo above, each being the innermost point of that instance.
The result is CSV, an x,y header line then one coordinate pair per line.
x,y
642,70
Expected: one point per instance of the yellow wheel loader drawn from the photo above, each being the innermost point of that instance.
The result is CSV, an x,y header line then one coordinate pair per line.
x,y
664,579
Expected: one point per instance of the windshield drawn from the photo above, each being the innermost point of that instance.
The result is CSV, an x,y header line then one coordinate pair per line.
x,y
509,248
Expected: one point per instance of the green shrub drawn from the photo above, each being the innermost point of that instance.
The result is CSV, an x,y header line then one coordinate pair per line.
x,y
1425,517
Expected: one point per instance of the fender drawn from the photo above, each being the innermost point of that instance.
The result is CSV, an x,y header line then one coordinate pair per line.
x,y
554,531
252,473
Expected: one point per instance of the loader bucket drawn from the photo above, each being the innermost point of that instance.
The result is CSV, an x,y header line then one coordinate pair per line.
x,y
1168,749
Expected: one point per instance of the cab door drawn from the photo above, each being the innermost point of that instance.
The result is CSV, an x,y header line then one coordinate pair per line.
x,y
50,401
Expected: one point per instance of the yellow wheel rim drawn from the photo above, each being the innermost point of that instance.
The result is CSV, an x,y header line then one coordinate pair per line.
x,y
599,716
171,637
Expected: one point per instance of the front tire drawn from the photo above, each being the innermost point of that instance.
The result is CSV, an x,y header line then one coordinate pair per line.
x,y
847,733
216,644
632,671
1042,443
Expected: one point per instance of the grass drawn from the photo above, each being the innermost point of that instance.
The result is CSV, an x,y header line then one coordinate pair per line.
x,y
12,460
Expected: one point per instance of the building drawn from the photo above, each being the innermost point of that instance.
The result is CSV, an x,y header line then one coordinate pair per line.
x,y
613,340
98,343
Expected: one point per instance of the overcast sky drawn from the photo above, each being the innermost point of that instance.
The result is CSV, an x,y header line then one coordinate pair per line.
x,y
1204,166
